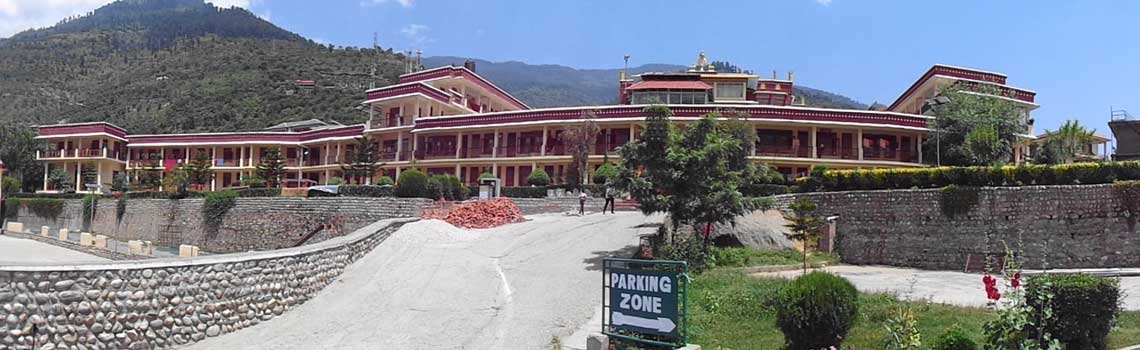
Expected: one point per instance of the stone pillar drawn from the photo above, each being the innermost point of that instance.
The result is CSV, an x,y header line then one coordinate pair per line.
x,y
859,143
98,173
399,147
78,176
545,135
814,143
458,146
495,144
46,171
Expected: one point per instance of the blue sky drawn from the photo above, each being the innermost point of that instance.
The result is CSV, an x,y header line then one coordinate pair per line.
x,y
1077,55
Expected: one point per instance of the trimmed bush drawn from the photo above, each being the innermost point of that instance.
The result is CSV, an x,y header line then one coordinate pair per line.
x,y
816,311
487,176
447,187
762,190
336,180
259,192
1024,175
955,339
524,192
412,184
605,172
366,191
46,195
385,180
1084,308
538,178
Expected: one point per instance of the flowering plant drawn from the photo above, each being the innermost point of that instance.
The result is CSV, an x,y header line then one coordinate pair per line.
x,y
1012,330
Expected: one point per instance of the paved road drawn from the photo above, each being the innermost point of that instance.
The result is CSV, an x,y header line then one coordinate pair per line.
x,y
431,286
947,287
14,251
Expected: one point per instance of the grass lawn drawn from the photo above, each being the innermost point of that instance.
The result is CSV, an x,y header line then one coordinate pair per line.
x,y
731,310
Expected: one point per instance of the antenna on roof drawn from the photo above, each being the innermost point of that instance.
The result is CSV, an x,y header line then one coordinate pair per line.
x,y
375,46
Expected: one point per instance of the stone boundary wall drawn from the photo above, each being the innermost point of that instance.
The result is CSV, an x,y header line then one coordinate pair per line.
x,y
252,224
1077,226
164,303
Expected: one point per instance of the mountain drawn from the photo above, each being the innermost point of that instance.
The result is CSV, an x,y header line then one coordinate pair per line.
x,y
167,66
156,66
549,85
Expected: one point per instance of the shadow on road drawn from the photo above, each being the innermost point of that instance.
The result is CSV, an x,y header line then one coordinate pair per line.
x,y
594,262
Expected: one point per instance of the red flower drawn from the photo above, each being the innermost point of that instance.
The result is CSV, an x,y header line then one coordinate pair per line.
x,y
1016,282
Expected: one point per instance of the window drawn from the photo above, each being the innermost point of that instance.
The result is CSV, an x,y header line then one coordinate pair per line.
x,y
730,91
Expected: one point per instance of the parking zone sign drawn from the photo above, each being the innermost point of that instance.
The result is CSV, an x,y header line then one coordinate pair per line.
x,y
644,300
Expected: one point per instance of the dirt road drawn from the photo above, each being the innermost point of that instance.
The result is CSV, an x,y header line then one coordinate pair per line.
x,y
432,286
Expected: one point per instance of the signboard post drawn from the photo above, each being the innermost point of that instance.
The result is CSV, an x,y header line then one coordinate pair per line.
x,y
644,301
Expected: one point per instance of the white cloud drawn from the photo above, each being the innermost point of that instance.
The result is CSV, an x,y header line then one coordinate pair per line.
x,y
823,2
402,3
20,15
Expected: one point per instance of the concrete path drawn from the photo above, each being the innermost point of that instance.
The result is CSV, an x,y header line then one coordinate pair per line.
x,y
945,287
15,251
432,286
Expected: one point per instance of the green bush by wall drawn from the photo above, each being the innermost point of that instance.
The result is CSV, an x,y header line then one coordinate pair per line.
x,y
1084,308
412,184
816,311
1024,175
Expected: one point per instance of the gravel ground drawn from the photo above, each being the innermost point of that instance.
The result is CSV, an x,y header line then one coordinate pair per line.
x,y
433,286
14,251
948,287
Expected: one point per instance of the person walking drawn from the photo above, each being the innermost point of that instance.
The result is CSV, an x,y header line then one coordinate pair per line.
x,y
609,199
582,202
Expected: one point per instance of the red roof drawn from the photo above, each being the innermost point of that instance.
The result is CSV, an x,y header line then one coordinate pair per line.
x,y
669,84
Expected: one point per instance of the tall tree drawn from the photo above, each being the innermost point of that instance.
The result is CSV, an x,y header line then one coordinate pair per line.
x,y
18,148
1065,144
804,223
579,140
686,174
200,170
362,162
272,167
150,176
58,179
974,127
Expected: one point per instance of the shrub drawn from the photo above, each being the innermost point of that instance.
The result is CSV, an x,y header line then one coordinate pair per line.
x,y
335,180
259,192
763,190
687,247
605,173
253,182
955,339
385,180
487,176
366,191
43,207
214,209
445,186
10,184
538,178
46,195
412,184
524,192
875,179
1084,308
816,310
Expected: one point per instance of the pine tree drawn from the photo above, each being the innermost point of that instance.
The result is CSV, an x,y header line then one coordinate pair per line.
x,y
200,171
362,164
272,167
804,223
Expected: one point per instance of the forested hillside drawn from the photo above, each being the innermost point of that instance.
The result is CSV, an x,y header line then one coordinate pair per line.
x,y
159,66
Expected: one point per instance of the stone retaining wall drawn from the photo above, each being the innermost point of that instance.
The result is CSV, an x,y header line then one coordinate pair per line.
x,y
252,224
1081,226
164,303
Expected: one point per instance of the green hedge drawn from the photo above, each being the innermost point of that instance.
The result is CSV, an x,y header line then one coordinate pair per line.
x,y
816,310
1084,308
524,192
412,184
763,190
46,195
366,191
43,207
165,195
259,192
1024,175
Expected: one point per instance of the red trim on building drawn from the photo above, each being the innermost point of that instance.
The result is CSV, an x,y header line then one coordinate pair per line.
x,y
964,73
421,88
82,128
249,137
670,85
754,112
460,72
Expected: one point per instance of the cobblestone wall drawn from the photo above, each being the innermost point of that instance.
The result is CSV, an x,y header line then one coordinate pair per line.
x,y
1064,226
252,224
165,303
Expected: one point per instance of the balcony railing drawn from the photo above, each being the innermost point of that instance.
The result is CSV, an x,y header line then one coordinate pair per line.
x,y
226,162
783,151
82,153
379,122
